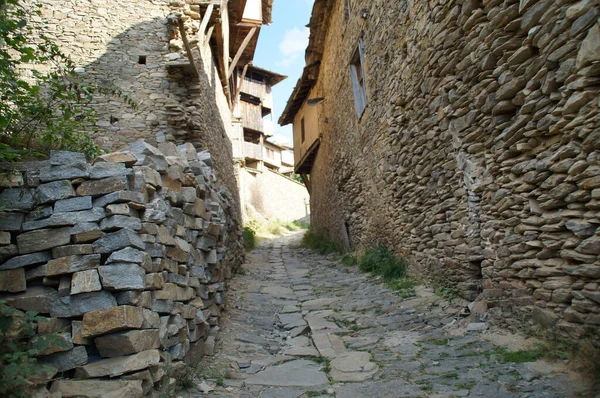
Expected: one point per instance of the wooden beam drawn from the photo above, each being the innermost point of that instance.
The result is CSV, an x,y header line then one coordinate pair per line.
x,y
241,50
306,179
188,49
205,20
209,33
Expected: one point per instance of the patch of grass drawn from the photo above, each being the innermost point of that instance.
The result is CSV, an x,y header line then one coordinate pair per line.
x,y
440,341
446,292
322,361
466,386
349,260
319,241
404,286
295,225
220,382
520,356
381,261
240,271
249,239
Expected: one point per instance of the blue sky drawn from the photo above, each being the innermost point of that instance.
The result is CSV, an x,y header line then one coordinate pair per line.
x,y
281,49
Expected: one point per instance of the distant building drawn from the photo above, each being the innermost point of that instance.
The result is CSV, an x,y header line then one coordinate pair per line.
x,y
266,187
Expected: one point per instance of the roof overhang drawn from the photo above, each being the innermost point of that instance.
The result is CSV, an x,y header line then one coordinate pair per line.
x,y
272,78
319,24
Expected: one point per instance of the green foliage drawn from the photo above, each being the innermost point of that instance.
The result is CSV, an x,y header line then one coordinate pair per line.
x,y
297,178
531,355
349,260
295,225
381,261
319,241
18,365
249,239
220,381
446,292
43,101
240,271
404,286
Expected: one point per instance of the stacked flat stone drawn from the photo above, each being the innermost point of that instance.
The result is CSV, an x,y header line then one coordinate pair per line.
x,y
126,260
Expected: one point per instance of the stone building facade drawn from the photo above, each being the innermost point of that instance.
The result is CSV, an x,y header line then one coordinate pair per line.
x,y
181,86
465,135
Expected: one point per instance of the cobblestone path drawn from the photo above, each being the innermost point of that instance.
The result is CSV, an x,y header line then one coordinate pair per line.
x,y
303,325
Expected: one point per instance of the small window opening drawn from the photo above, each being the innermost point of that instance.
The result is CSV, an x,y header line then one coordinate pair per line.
x,y
142,60
303,135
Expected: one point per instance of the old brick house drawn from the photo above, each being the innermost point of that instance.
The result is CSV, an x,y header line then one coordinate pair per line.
x,y
465,135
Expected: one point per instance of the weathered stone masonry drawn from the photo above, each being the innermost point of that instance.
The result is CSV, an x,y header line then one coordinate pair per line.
x,y
477,156
136,46
126,259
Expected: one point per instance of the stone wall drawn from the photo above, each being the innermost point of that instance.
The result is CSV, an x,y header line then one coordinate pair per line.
x,y
478,155
274,196
134,46
126,260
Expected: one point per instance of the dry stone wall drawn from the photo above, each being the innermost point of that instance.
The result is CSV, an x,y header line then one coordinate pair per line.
x,y
478,155
126,259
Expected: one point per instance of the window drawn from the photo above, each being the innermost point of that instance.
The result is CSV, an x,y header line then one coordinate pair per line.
x,y
347,6
357,72
142,60
270,153
303,135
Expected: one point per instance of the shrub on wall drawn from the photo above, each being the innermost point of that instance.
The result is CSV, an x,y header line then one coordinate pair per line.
x,y
43,101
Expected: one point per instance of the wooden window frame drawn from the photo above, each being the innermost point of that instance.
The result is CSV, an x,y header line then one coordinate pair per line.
x,y
359,77
347,8
302,131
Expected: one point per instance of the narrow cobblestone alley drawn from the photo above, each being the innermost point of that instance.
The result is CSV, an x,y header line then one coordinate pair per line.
x,y
303,325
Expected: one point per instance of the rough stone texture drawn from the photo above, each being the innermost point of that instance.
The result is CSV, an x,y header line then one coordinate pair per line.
x,y
477,155
85,282
98,388
13,280
112,319
167,273
117,366
43,239
125,343
122,277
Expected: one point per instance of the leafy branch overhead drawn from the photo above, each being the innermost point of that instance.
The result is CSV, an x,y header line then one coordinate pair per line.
x,y
44,103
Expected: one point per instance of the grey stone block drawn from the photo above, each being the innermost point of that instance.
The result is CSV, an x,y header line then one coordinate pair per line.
x,y
43,239
63,158
88,302
118,222
73,204
54,191
67,172
67,360
118,240
122,277
25,260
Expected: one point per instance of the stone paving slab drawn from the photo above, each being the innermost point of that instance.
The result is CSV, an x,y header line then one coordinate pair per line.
x,y
303,325
299,373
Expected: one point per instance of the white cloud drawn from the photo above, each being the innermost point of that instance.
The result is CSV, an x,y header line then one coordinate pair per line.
x,y
293,45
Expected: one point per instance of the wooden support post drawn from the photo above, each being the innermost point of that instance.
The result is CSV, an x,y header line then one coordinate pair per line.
x,y
209,33
239,87
241,50
204,23
188,49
